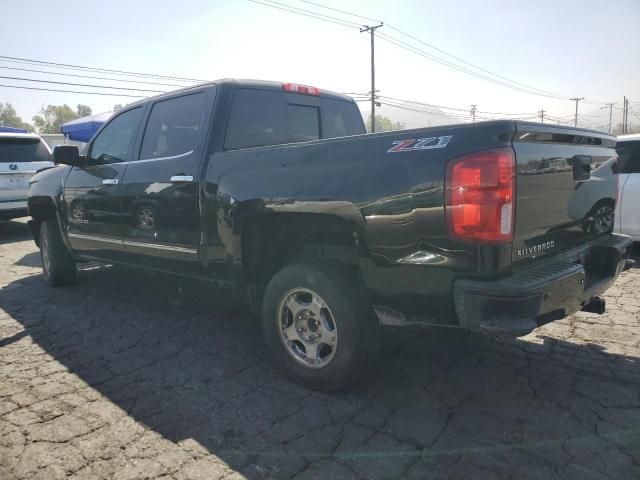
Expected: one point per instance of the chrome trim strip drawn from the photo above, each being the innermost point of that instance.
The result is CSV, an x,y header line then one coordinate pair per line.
x,y
19,172
172,157
157,246
81,236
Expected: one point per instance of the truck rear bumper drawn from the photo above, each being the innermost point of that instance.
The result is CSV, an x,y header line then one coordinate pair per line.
x,y
13,209
541,293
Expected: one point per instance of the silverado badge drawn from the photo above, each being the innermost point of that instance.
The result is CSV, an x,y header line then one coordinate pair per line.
x,y
541,247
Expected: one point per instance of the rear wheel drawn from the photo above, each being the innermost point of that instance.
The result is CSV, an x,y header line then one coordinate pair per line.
x,y
58,267
318,326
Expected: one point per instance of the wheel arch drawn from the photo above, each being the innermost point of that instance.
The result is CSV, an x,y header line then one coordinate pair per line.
x,y
272,240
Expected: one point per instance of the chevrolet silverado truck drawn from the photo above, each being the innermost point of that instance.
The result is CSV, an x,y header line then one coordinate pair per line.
x,y
332,232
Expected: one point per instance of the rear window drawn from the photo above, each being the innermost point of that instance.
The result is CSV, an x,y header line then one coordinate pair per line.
x,y
263,117
19,150
629,154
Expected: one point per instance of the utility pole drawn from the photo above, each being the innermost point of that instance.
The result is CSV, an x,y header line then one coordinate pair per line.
x,y
576,99
625,114
541,112
372,31
473,112
610,105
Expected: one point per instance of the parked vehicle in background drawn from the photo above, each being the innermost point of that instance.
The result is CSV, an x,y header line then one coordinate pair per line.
x,y
245,182
21,156
627,218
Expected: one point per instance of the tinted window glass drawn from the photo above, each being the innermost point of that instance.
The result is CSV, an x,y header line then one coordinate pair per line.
x,y
261,117
340,119
173,127
18,150
113,143
257,118
629,155
303,123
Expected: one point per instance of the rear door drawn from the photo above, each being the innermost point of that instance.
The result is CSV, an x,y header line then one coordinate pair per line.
x,y
159,191
20,158
565,188
628,215
92,210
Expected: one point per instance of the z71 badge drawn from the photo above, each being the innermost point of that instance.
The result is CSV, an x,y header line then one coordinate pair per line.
x,y
412,144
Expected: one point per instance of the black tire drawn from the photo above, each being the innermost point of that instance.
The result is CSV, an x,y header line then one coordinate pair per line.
x,y
357,331
58,266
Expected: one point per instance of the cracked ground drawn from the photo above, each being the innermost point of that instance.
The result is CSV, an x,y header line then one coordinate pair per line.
x,y
131,375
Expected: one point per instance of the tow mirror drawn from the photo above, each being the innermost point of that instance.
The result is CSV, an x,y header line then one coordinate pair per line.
x,y
67,155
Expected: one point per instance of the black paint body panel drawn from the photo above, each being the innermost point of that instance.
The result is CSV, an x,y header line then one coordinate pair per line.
x,y
392,201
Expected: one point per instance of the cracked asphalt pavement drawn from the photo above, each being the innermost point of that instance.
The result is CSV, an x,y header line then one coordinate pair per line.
x,y
132,375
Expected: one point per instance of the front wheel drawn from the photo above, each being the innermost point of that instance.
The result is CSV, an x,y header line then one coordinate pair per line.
x,y
58,267
318,326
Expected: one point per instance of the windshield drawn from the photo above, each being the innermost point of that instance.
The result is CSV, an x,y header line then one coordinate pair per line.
x,y
18,150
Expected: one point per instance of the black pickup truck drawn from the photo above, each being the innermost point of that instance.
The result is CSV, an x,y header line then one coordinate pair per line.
x,y
277,188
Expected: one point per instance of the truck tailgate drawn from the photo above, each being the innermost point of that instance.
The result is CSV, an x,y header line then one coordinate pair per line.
x,y
566,188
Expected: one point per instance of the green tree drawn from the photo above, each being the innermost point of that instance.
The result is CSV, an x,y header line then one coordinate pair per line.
x,y
631,128
83,110
52,116
9,117
384,124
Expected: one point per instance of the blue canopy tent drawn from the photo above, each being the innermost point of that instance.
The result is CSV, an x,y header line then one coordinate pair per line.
x,y
12,130
82,129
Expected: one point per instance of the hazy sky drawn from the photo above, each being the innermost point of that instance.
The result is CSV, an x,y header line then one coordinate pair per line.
x,y
575,48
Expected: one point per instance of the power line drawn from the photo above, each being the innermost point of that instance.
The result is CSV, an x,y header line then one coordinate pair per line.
x,y
90,76
80,84
422,53
528,87
317,16
515,85
342,11
435,48
425,104
72,91
96,69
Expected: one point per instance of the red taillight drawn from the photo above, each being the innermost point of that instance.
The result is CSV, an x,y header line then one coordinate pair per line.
x,y
479,197
304,89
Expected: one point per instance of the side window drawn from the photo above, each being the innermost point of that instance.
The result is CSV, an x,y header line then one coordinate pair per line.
x,y
340,119
303,123
257,118
113,143
173,126
629,155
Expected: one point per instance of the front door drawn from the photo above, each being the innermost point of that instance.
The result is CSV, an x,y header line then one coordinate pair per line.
x,y
92,210
160,189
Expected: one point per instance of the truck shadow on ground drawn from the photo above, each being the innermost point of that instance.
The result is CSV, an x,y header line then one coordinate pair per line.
x,y
12,231
191,364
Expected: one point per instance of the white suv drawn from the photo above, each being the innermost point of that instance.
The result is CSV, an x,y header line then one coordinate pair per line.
x,y
627,218
21,156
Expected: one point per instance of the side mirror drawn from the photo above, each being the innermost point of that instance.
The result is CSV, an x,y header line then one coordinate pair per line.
x,y
67,155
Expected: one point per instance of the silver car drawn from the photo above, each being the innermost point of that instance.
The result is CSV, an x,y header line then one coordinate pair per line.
x,y
21,156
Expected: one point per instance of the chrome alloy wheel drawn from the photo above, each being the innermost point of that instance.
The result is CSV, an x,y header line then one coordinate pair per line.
x,y
307,328
46,259
603,219
146,219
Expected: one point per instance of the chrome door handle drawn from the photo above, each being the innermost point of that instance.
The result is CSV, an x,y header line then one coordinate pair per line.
x,y
182,178
110,181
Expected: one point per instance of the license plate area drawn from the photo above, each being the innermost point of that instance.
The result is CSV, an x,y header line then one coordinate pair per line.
x,y
14,181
